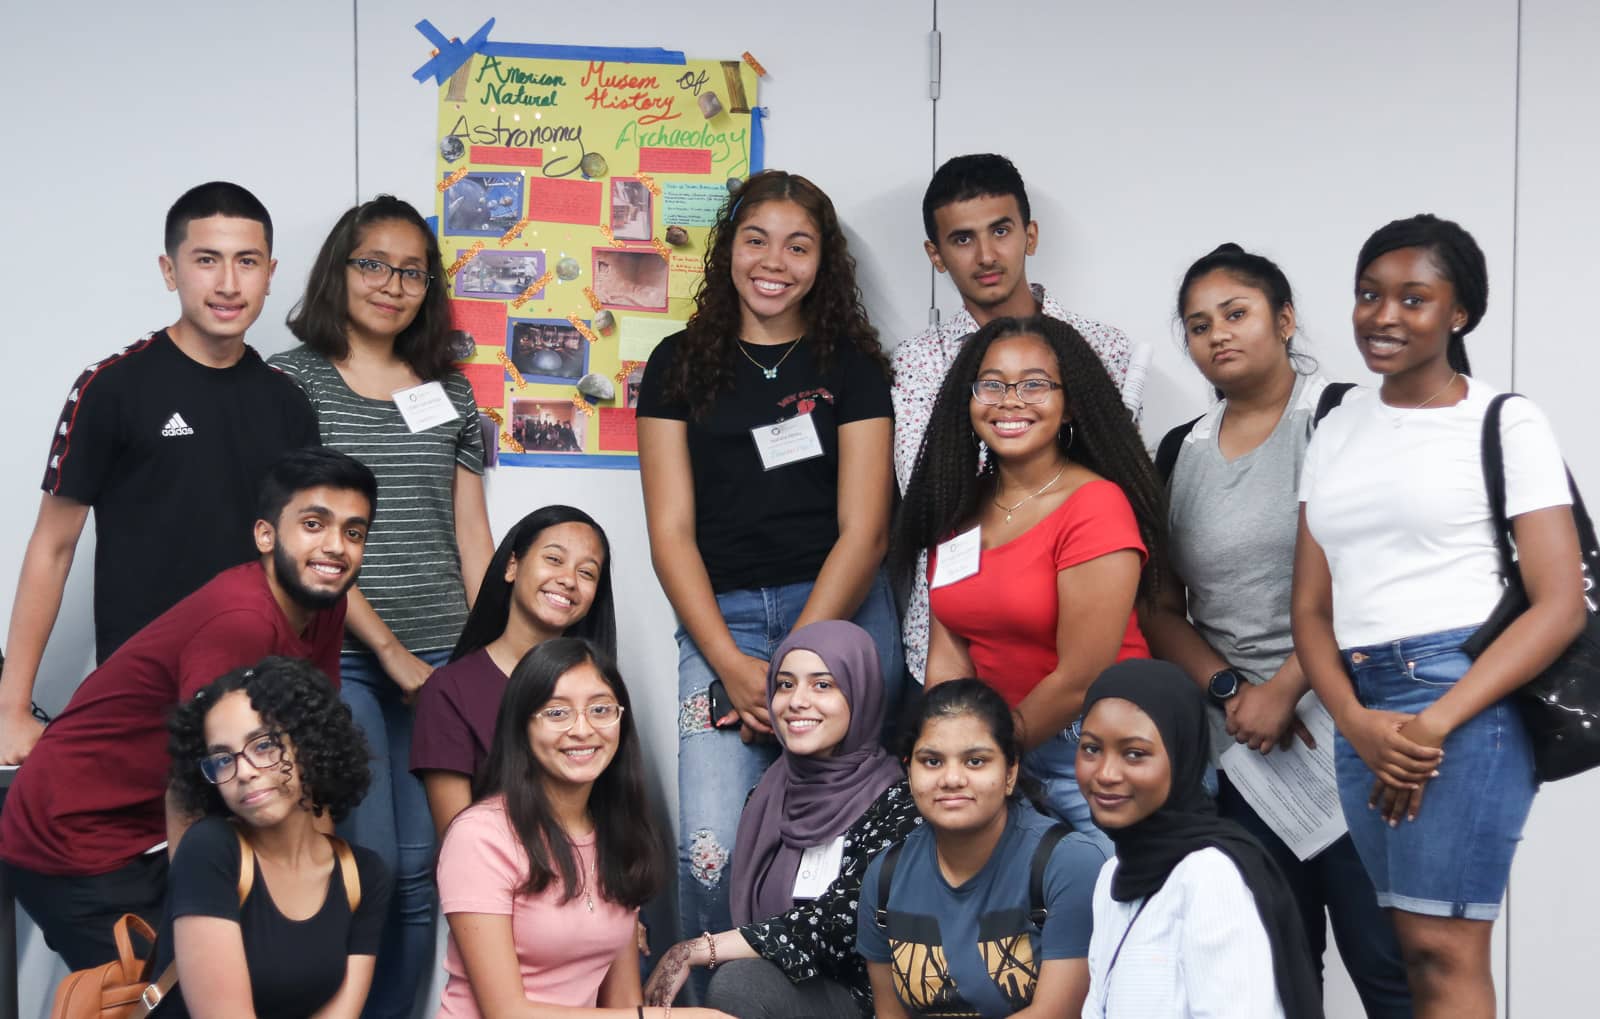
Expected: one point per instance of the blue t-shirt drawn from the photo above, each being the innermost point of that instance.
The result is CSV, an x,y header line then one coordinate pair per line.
x,y
971,950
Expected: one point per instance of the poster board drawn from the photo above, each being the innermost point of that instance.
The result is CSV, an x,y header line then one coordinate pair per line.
x,y
576,188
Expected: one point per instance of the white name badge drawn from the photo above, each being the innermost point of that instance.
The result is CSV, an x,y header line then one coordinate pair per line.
x,y
958,558
425,406
819,865
787,442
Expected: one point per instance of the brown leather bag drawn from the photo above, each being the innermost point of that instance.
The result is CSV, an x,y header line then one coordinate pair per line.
x,y
123,989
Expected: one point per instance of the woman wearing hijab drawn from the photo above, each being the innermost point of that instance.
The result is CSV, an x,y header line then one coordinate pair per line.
x,y
831,801
1191,916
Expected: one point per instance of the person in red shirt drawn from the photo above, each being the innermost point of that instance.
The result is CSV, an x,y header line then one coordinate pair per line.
x,y
1044,523
89,813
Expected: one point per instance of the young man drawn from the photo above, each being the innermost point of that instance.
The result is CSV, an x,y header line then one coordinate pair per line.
x,y
174,431
980,232
86,819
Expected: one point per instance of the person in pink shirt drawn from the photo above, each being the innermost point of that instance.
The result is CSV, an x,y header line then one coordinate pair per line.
x,y
541,879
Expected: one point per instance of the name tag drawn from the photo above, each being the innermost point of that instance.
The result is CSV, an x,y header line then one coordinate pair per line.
x,y
787,442
819,865
425,406
957,558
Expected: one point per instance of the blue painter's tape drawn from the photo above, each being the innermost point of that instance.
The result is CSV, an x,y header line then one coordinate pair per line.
x,y
758,139
579,460
619,54
451,54
433,225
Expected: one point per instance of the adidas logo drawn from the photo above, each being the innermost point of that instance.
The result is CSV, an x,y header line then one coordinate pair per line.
x,y
176,426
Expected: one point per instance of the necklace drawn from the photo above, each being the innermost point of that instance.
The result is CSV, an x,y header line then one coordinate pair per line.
x,y
1012,509
770,373
588,889
1398,421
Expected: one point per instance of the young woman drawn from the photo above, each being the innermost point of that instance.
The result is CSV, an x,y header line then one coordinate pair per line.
x,y
542,878
764,450
960,931
374,325
1191,918
1034,492
832,800
263,753
1395,567
1232,498
550,577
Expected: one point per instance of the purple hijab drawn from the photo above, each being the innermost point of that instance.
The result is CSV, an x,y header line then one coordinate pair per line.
x,y
809,801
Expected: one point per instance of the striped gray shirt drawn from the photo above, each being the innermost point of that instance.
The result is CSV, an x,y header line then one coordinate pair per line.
x,y
411,572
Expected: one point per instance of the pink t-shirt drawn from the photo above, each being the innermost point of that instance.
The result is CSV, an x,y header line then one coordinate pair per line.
x,y
563,950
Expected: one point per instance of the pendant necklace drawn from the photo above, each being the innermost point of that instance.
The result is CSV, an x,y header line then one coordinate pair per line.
x,y
770,373
1398,421
1012,509
588,889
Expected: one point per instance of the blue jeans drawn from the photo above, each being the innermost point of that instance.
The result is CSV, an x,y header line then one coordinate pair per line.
x,y
716,770
1334,883
393,821
1454,860
1051,765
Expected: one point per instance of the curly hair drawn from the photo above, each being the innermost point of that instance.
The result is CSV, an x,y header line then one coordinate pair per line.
x,y
322,314
294,697
947,483
705,356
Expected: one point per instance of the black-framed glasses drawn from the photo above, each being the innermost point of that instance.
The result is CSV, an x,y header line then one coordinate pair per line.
x,y
377,274
993,391
601,716
264,751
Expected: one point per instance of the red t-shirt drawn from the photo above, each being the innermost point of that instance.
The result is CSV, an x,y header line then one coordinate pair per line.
x,y
92,795
456,712
1008,611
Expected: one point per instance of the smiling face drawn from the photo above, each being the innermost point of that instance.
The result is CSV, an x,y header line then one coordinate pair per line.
x,y
777,250
259,796
958,775
315,548
1122,767
553,583
384,312
812,713
222,273
983,244
1235,337
1013,429
578,756
1405,311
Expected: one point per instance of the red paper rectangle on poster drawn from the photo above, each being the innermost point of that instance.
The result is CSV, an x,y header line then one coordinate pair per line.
x,y
504,155
675,160
488,383
565,201
485,320
619,430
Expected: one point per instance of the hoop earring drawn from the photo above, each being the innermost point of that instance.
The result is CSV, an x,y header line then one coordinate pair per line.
x,y
1069,432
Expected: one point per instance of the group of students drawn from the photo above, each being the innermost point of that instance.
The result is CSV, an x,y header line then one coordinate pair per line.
x,y
1032,832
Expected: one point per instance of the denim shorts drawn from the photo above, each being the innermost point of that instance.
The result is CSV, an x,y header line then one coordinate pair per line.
x,y
1455,858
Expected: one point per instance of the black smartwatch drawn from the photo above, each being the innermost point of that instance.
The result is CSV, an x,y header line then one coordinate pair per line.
x,y
1223,685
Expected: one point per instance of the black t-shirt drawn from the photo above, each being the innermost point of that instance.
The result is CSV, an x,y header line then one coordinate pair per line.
x,y
295,966
755,527
170,454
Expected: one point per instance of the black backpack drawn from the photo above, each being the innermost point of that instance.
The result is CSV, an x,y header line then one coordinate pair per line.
x,y
1172,442
1037,911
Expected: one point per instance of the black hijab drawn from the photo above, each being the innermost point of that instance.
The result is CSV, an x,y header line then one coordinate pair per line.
x,y
1149,849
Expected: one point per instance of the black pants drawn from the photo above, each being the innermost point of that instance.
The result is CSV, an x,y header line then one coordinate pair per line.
x,y
76,914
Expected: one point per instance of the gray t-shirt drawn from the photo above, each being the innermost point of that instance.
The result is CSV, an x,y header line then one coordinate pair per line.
x,y
1232,534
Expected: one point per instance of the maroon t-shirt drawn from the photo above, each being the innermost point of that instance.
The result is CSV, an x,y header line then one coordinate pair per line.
x,y
92,795
454,727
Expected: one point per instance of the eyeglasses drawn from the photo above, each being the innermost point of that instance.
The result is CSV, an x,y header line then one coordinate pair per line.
x,y
262,752
601,716
993,391
377,274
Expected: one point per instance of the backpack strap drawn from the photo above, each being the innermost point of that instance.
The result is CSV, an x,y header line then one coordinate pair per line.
x,y
1171,444
885,875
348,871
1333,394
1038,912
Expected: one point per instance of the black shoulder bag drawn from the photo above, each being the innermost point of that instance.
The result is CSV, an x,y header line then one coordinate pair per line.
x,y
1561,705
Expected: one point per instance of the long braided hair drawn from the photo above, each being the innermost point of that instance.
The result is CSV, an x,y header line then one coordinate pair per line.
x,y
947,483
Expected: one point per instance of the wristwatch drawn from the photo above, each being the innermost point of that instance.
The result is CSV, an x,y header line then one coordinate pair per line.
x,y
1223,685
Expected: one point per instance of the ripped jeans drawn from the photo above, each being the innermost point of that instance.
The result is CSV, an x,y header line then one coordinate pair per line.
x,y
716,770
